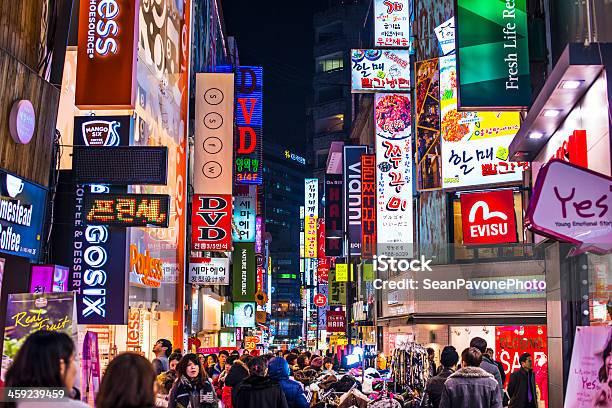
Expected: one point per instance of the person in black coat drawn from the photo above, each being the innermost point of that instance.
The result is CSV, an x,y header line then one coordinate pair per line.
x,y
522,385
435,386
499,364
192,389
258,390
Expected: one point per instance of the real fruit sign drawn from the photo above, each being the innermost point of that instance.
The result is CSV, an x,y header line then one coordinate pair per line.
x,y
488,217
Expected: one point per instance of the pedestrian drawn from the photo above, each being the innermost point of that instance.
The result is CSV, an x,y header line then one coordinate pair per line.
x,y
328,366
292,361
303,361
129,382
471,386
223,356
278,370
212,366
236,374
162,349
166,380
317,364
487,364
45,360
435,386
522,385
173,360
192,388
491,355
203,360
258,390
431,355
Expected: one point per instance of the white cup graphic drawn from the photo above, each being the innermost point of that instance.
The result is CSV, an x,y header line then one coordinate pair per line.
x,y
14,185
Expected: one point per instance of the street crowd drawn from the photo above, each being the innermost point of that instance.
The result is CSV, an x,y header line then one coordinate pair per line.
x,y
231,380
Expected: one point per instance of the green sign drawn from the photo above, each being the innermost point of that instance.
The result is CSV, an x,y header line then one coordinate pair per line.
x,y
368,272
243,272
493,54
337,290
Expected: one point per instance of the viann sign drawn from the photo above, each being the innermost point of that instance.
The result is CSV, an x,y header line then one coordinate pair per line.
x,y
102,27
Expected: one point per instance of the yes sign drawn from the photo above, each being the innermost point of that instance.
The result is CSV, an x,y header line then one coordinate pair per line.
x,y
488,217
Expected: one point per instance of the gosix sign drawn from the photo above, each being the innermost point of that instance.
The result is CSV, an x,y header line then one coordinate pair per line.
x,y
107,43
488,218
212,223
572,204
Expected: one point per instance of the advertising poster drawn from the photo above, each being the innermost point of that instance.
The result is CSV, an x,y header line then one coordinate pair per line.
x,y
144,270
214,118
22,209
493,60
209,271
244,272
392,23
488,218
394,174
433,234
368,206
474,144
352,195
29,312
211,223
310,237
244,222
248,144
428,125
380,70
90,366
512,341
334,214
244,314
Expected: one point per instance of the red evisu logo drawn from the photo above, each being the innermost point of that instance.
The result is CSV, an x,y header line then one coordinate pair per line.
x,y
488,218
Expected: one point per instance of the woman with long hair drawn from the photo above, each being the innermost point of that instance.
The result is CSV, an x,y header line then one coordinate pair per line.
x,y
192,388
45,360
129,382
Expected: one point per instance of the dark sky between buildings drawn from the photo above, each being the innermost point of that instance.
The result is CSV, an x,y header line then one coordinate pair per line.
x,y
278,35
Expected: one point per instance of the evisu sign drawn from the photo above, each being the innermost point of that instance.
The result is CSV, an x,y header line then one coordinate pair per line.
x,y
488,217
212,222
107,44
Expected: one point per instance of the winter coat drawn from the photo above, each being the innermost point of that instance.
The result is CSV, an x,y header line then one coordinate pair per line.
x,y
278,370
435,386
198,394
259,392
502,373
517,389
471,387
234,377
490,367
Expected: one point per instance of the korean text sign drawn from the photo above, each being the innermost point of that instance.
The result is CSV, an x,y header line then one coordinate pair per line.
x,y
209,271
334,214
392,23
368,205
488,217
107,43
336,321
310,237
211,222
380,70
352,195
245,207
249,122
394,174
474,144
311,197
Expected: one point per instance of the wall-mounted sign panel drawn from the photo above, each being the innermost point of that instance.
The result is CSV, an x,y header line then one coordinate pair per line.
x,y
127,210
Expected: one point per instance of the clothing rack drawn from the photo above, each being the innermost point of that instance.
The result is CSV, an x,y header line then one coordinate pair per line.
x,y
410,366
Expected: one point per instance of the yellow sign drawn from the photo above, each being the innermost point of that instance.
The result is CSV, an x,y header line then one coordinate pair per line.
x,y
342,272
310,237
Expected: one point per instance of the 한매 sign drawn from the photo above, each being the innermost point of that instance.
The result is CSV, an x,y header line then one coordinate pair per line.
x,y
127,210
380,70
209,271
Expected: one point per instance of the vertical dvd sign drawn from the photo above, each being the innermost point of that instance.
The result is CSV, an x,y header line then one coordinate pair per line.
x,y
249,122
368,206
352,195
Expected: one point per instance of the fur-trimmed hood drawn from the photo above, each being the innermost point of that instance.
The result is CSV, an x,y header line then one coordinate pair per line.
x,y
471,372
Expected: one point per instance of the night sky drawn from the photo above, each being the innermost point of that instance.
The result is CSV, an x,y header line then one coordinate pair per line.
x,y
278,35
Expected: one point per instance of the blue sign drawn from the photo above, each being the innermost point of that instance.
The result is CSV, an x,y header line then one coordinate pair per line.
x,y
22,210
248,141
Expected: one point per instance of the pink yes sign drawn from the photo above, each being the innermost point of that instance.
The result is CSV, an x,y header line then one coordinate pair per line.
x,y
572,204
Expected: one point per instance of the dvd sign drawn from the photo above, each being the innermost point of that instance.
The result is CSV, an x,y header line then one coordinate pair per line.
x,y
212,222
488,218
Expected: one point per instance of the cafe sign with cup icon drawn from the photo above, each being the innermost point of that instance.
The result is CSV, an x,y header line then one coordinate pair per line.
x,y
22,208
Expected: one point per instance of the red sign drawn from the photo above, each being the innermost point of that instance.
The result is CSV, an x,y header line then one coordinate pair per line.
x,y
249,109
212,222
333,214
336,321
574,149
368,206
106,54
320,300
323,264
488,218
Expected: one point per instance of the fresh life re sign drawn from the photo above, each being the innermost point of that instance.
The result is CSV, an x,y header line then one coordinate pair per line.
x,y
493,54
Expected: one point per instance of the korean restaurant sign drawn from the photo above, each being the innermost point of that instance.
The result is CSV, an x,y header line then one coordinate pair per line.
x,y
310,237
311,197
572,204
244,222
380,70
352,195
493,59
333,214
214,130
488,217
107,44
145,270
336,321
249,122
474,144
368,205
393,174
392,23
211,222
244,272
209,271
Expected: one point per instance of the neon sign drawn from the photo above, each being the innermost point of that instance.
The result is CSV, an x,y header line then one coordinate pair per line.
x,y
248,138
101,23
127,210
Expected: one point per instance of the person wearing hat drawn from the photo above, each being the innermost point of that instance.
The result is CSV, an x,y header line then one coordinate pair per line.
x,y
435,385
316,364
